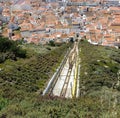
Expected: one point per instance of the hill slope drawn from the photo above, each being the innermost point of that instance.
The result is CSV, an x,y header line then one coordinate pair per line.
x,y
99,67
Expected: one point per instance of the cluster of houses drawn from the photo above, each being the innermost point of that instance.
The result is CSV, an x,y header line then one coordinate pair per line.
x,y
104,26
40,21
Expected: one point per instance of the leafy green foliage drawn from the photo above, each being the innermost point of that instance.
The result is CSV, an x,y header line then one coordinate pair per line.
x,y
51,43
3,103
10,50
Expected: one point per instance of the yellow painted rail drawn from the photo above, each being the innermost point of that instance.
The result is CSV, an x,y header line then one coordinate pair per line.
x,y
74,88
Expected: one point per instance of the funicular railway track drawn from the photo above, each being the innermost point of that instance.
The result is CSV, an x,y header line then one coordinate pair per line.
x,y
60,86
65,86
57,75
72,60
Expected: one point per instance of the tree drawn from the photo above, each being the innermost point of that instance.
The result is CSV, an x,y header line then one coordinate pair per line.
x,y
10,50
51,43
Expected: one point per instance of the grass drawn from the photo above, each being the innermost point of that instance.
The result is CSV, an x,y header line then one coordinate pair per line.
x,y
46,107
38,48
98,67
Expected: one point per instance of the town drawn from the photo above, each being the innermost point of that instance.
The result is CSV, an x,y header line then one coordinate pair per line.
x,y
41,21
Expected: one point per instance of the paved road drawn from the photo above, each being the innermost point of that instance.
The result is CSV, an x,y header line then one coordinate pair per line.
x,y
19,2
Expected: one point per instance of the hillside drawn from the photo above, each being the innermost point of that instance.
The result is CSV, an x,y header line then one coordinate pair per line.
x,y
99,68
22,82
22,77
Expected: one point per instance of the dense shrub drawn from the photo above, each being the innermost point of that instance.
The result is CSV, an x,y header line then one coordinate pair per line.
x,y
51,43
3,103
10,50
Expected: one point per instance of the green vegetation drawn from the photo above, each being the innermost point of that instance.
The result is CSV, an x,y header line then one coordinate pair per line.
x,y
26,77
99,78
22,82
51,43
10,50
99,68
39,107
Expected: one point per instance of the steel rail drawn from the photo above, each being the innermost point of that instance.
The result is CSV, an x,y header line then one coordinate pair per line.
x,y
53,80
72,59
60,70
65,86
58,74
